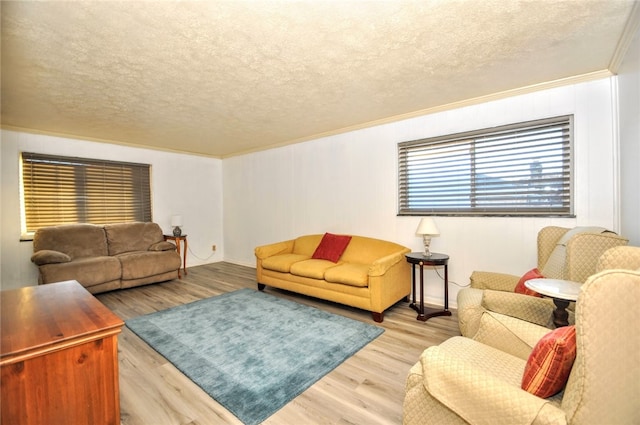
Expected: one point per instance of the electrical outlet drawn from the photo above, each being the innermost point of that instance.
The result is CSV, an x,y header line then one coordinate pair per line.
x,y
213,247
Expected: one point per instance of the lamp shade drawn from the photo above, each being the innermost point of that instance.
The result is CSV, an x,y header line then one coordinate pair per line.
x,y
427,227
176,220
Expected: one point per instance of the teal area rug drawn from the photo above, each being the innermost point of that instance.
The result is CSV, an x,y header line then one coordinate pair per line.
x,y
250,351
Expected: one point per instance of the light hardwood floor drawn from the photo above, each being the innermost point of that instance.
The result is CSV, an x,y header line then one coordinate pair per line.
x,y
367,388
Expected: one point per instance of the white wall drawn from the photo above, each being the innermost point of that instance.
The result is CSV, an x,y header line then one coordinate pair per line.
x,y
629,101
348,184
181,184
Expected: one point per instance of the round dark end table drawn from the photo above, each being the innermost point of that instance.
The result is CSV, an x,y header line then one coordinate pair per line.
x,y
419,259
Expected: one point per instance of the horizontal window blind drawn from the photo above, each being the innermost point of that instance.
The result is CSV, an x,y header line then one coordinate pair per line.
x,y
520,169
60,190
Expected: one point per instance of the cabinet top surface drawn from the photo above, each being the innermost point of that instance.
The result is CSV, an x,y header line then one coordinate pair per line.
x,y
39,316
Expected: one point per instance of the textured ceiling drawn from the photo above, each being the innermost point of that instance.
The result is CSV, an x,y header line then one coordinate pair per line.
x,y
224,77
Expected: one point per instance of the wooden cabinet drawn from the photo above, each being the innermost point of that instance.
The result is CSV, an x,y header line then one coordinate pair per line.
x,y
59,359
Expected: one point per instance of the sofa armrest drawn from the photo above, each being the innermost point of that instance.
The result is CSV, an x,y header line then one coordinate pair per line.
x,y
277,248
47,256
495,281
380,266
454,383
162,246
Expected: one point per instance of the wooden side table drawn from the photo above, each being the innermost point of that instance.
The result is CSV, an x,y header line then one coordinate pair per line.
x,y
176,240
59,357
561,291
421,260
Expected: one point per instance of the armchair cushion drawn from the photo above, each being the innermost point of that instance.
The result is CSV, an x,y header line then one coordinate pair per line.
x,y
282,262
476,381
549,365
331,247
352,274
522,289
509,334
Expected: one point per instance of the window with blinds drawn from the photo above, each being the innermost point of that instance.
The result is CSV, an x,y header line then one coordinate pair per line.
x,y
520,169
59,190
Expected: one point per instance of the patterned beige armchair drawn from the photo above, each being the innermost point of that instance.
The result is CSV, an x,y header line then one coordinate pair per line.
x,y
486,309
465,381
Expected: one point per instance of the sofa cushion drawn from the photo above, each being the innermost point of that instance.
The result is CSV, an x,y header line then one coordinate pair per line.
x,y
331,247
306,245
352,274
282,263
550,362
75,240
140,264
130,237
366,250
88,271
522,289
312,268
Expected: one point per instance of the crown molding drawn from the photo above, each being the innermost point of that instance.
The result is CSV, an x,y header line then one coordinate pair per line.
x,y
630,29
577,79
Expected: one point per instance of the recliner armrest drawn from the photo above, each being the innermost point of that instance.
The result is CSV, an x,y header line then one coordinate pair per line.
x,y
162,246
48,256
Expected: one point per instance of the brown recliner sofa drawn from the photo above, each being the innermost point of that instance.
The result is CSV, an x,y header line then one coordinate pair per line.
x,y
105,257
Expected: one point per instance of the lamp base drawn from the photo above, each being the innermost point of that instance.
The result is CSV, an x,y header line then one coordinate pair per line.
x,y
177,231
426,239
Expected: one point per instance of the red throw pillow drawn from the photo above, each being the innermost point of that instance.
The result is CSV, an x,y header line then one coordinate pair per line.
x,y
331,247
550,362
531,274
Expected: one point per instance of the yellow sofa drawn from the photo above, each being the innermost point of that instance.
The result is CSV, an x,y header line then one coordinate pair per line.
x,y
371,274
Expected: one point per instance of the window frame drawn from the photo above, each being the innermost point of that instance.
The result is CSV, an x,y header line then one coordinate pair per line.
x,y
70,190
518,137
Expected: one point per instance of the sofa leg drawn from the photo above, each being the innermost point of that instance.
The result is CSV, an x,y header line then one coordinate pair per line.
x,y
261,286
377,317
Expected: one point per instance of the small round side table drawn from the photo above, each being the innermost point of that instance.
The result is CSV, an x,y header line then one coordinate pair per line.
x,y
561,291
421,260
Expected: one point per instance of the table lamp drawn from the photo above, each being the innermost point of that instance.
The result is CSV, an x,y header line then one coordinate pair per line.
x,y
176,222
427,228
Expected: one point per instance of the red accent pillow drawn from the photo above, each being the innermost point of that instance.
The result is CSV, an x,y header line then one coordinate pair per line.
x,y
331,247
550,362
531,274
